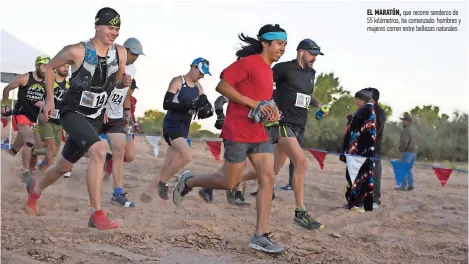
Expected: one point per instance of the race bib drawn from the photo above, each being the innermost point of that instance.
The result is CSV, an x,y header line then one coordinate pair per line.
x,y
93,100
55,114
302,100
117,97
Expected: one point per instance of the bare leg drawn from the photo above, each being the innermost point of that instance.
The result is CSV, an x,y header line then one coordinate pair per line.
x,y
181,146
50,153
129,155
292,149
118,148
28,137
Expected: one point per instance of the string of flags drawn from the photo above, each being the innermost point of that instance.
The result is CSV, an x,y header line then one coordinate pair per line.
x,y
354,163
401,169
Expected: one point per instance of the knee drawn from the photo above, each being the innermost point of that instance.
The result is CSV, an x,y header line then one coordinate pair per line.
x,y
301,164
186,157
97,152
63,166
51,149
267,178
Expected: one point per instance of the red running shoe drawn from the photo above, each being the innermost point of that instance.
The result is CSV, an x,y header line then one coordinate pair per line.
x,y
100,221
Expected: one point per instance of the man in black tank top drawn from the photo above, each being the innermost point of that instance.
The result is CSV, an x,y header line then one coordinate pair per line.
x,y
50,131
31,92
97,67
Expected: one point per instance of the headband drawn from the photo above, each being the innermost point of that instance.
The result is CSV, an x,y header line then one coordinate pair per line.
x,y
274,36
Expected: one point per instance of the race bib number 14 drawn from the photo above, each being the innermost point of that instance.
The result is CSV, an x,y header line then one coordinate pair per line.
x,y
302,100
93,100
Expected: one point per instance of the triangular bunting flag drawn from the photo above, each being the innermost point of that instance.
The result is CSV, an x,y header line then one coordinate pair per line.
x,y
354,164
401,169
215,149
442,174
320,155
154,141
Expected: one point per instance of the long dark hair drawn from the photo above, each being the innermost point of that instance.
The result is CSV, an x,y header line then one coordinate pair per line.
x,y
254,46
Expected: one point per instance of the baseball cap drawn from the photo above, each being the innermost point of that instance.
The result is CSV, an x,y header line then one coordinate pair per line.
x,y
407,117
133,85
134,45
203,65
375,93
42,59
310,46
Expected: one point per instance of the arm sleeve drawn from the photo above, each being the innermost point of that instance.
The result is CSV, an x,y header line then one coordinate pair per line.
x,y
168,103
220,101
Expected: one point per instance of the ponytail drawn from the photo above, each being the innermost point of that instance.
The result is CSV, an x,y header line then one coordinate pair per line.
x,y
254,46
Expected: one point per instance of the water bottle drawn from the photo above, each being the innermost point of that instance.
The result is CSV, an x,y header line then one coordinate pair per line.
x,y
321,111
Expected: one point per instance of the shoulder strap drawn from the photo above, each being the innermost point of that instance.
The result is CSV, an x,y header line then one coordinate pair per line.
x,y
183,80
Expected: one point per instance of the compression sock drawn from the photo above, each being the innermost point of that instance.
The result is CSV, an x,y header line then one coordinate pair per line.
x,y
117,191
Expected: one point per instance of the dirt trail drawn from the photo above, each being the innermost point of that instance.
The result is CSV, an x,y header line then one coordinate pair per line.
x,y
427,225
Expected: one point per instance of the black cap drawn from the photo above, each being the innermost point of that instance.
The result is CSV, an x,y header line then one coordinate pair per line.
x,y
108,17
310,46
364,95
407,118
375,93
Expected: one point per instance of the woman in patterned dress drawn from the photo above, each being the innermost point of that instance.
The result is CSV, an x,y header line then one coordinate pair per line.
x,y
359,141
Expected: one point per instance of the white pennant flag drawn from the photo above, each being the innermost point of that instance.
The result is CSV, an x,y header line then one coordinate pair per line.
x,y
154,141
354,163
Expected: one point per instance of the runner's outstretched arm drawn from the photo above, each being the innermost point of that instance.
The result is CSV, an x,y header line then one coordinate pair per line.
x,y
17,82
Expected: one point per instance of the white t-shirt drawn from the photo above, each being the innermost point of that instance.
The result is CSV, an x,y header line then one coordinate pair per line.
x,y
115,104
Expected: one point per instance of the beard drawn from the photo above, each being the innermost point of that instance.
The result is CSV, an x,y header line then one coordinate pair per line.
x,y
307,64
63,74
40,74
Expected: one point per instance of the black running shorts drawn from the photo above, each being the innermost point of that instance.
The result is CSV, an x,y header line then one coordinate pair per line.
x,y
82,134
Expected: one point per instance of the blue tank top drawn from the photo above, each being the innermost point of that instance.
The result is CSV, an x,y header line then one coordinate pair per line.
x,y
185,94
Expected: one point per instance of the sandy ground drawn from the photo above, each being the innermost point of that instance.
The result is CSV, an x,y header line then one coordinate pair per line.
x,y
427,225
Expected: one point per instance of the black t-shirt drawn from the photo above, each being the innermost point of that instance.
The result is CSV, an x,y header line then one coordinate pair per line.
x,y
294,87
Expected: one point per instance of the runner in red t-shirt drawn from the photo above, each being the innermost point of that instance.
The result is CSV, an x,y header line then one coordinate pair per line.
x,y
247,83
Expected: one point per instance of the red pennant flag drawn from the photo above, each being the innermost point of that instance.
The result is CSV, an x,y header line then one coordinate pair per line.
x,y
215,149
320,155
4,122
63,136
442,174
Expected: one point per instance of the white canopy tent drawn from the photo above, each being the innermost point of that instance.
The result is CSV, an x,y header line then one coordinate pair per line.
x,y
17,57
